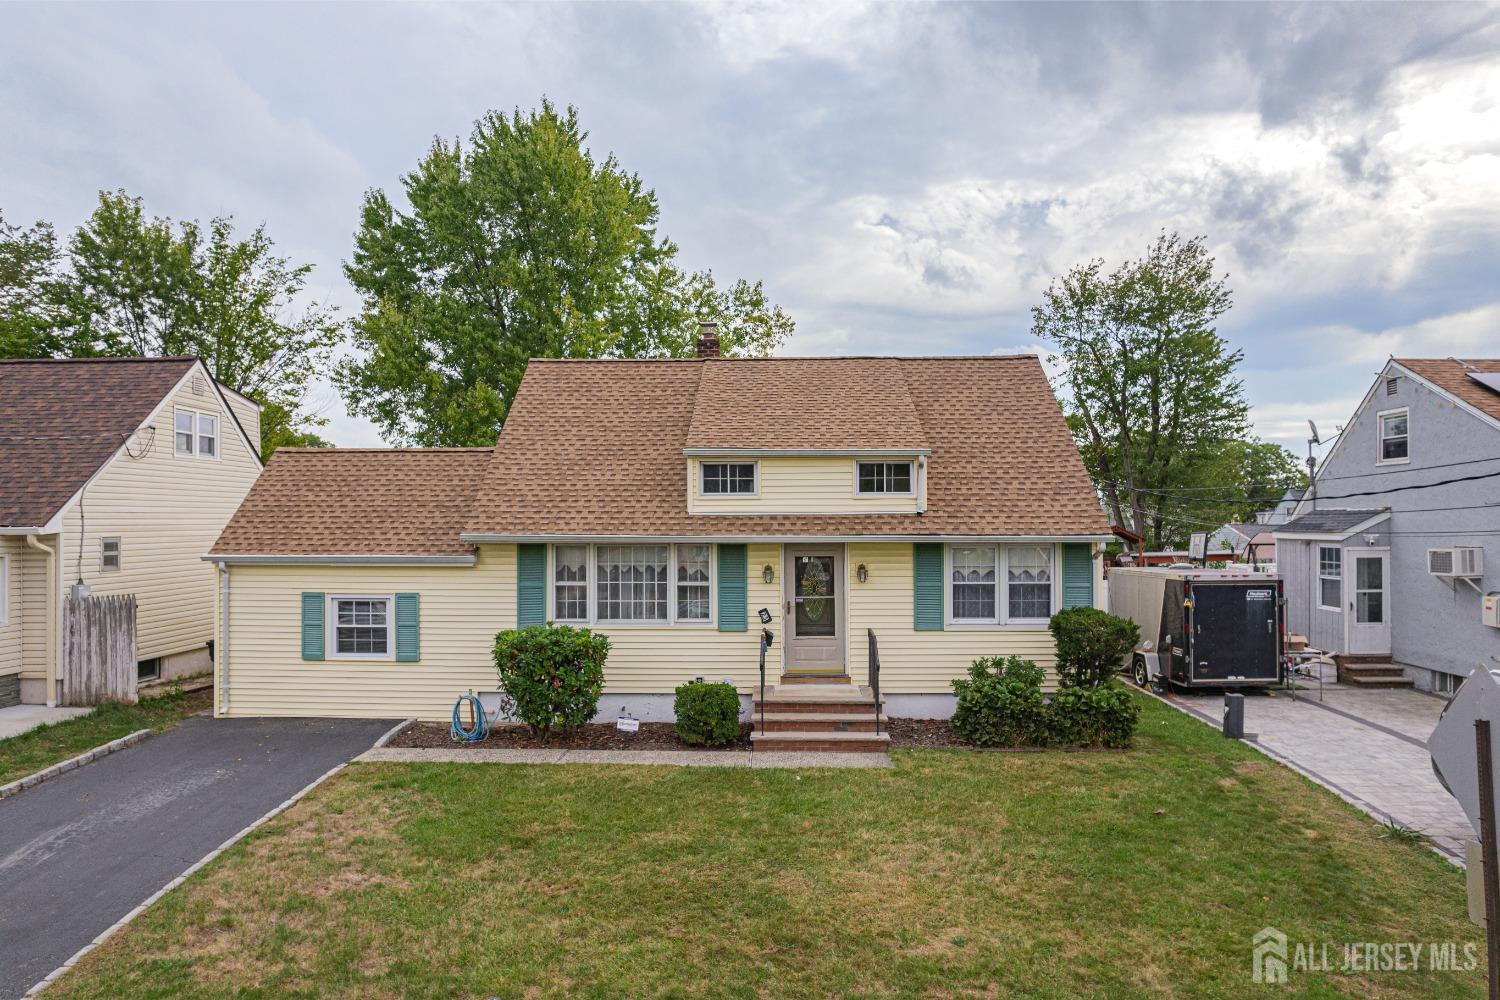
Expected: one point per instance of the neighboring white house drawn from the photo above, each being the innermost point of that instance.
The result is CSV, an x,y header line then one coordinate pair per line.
x,y
120,473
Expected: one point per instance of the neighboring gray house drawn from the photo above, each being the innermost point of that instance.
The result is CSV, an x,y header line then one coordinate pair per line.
x,y
1389,555
1282,512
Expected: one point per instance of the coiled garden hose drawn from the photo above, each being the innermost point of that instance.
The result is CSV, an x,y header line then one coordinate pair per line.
x,y
481,725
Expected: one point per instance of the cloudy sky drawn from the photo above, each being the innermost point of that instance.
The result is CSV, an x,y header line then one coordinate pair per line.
x,y
905,179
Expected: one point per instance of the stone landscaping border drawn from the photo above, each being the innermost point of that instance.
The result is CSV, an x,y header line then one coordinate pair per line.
x,y
671,758
87,757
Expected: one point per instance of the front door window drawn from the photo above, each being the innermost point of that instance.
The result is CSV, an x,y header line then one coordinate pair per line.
x,y
813,596
1369,590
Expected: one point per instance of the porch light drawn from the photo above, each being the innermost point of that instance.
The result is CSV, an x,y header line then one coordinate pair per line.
x,y
863,573
768,574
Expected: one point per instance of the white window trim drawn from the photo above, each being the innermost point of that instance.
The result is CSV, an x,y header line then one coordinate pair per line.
x,y
671,621
119,554
1380,436
910,463
193,451
1318,565
4,590
1002,617
331,627
754,471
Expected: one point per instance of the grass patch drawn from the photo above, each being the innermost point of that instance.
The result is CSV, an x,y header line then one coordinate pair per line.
x,y
44,746
956,874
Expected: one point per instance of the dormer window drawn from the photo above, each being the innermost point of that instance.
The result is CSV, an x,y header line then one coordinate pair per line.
x,y
877,478
728,479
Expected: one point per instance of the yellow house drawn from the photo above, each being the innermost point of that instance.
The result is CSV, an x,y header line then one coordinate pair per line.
x,y
117,473
935,509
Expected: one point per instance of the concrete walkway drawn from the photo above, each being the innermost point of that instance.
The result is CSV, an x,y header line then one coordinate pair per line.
x,y
20,719
1368,747
673,758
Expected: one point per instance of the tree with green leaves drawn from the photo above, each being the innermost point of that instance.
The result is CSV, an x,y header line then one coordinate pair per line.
x,y
1150,391
132,285
29,260
519,244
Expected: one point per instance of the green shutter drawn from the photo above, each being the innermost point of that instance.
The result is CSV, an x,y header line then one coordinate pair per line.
x,y
927,586
1077,575
531,585
312,626
408,628
733,576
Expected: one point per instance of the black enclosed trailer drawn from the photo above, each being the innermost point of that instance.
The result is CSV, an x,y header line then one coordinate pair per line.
x,y
1202,627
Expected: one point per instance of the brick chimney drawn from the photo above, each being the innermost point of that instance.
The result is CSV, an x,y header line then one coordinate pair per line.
x,y
708,340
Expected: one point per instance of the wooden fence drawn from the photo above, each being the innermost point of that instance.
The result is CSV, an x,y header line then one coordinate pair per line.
x,y
99,661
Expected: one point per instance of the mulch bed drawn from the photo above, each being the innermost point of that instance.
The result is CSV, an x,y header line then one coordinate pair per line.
x,y
600,736
925,734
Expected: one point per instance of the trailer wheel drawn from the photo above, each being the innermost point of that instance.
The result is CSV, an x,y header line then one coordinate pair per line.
x,y
1138,672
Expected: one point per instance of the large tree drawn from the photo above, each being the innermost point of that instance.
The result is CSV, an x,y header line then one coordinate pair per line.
x,y
1150,390
29,260
132,285
519,245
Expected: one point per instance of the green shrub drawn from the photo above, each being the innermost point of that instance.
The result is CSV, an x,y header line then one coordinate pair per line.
x,y
707,713
1091,645
552,676
1001,704
1093,717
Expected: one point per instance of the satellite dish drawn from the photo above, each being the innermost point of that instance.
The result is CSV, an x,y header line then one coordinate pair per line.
x,y
1314,428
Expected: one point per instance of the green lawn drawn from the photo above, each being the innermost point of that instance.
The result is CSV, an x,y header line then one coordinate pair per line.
x,y
1048,875
46,745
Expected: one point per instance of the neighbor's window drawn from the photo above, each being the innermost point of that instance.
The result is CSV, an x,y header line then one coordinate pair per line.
x,y
1330,577
570,582
208,435
1028,581
632,583
362,626
974,581
724,478
195,433
4,590
693,563
184,435
1393,443
109,554
884,477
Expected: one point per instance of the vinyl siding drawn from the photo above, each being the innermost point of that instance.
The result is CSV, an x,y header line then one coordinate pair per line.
x,y
249,415
34,609
11,631
167,512
798,485
913,662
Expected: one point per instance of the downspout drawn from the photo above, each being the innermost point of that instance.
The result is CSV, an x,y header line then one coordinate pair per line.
x,y
54,597
922,484
223,650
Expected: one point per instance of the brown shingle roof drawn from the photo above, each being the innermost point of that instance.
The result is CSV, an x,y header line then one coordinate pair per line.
x,y
357,501
595,447
60,420
1452,377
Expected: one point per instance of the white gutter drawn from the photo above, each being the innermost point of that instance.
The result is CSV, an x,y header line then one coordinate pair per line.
x,y
54,619
21,531
780,539
340,560
223,651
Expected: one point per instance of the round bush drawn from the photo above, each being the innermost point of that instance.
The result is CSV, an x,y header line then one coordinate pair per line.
x,y
552,676
1091,645
1000,704
707,714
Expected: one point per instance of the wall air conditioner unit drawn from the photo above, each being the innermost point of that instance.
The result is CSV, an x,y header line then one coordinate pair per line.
x,y
1463,562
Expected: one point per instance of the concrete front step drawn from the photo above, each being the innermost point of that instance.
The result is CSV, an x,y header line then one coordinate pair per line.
x,y
813,740
1361,681
833,678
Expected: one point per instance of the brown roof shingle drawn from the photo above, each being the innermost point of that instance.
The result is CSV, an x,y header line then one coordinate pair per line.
x,y
1452,377
357,501
61,419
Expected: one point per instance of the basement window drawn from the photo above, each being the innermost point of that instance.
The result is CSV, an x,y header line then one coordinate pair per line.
x,y
148,670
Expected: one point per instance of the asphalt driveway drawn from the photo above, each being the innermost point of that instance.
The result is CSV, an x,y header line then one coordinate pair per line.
x,y
80,851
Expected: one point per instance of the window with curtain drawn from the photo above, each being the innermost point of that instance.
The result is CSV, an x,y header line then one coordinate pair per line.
x,y
632,583
973,582
1028,581
570,583
693,582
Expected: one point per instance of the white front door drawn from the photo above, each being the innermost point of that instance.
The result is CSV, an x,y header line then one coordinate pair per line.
x,y
1367,600
813,580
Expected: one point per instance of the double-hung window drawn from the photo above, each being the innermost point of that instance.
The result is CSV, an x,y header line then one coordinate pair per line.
x,y
728,479
883,477
1330,577
570,583
109,554
361,628
1393,436
195,434
693,566
995,584
659,584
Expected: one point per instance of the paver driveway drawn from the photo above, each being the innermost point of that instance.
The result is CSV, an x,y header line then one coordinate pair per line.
x,y
1369,746
80,851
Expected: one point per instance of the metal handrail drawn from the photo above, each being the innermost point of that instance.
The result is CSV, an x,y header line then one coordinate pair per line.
x,y
875,675
765,644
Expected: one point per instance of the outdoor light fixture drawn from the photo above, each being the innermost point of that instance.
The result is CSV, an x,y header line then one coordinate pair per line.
x,y
768,574
862,573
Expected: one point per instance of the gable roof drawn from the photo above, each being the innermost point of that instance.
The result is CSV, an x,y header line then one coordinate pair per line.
x,y
1329,521
595,448
1451,375
357,502
61,419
